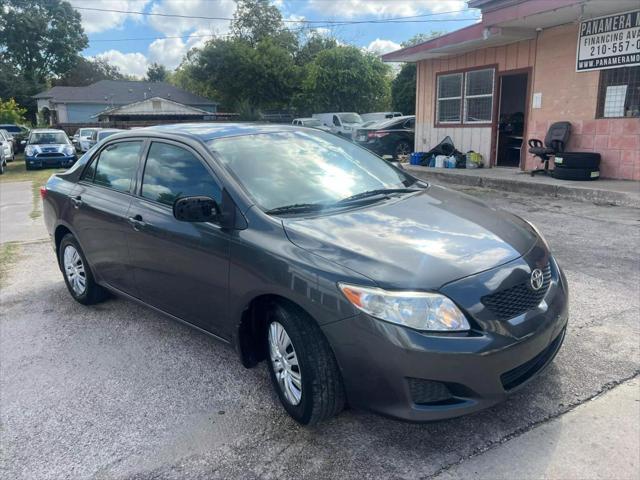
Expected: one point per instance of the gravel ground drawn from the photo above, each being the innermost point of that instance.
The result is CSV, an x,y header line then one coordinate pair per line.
x,y
118,391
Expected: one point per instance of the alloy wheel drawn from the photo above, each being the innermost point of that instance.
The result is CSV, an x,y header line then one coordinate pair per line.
x,y
74,270
285,363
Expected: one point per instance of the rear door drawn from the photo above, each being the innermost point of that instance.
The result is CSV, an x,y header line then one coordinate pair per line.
x,y
101,201
180,267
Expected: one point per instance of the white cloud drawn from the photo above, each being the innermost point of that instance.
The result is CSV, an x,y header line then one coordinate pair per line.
x,y
128,63
95,21
381,46
170,51
177,26
389,8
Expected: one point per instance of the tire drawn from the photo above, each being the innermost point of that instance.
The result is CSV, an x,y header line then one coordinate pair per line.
x,y
321,393
402,148
2,163
583,174
584,160
92,292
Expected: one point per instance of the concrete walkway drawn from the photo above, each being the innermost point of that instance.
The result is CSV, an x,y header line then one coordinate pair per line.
x,y
599,440
613,192
16,205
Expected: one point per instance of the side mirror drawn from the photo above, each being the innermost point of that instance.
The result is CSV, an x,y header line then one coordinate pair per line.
x,y
196,209
23,142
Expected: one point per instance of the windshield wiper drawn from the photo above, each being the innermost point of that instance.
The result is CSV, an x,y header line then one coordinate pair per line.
x,y
297,208
375,193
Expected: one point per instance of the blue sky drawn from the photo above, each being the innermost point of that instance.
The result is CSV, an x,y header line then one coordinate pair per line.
x,y
132,41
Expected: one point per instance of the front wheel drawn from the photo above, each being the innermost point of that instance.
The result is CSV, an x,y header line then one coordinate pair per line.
x,y
2,164
77,273
302,367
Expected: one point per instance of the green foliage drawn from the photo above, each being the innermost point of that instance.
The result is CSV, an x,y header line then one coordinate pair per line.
x,y
157,73
87,71
403,90
258,20
345,79
11,112
40,38
315,44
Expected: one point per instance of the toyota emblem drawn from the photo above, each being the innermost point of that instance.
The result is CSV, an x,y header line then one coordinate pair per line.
x,y
537,279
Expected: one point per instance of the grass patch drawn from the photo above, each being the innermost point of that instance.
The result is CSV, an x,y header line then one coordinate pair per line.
x,y
16,172
8,256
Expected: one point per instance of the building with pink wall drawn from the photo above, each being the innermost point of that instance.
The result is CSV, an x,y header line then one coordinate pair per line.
x,y
495,84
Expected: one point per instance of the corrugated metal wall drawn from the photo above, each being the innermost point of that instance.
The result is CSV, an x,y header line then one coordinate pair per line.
x,y
507,57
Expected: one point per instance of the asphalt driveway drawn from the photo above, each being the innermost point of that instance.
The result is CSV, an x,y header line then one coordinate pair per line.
x,y
118,391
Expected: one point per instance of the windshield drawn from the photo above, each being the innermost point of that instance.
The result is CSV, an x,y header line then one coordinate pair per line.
x,y
290,168
43,138
350,118
311,123
11,128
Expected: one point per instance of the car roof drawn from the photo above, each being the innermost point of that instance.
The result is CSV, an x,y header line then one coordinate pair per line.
x,y
211,131
47,130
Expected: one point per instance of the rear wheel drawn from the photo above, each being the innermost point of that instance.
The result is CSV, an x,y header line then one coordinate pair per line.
x,y
2,164
302,367
77,273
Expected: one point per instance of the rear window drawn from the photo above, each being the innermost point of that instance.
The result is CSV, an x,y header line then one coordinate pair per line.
x,y
115,167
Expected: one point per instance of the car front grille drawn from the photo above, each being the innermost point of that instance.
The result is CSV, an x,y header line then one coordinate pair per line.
x,y
522,373
516,300
49,155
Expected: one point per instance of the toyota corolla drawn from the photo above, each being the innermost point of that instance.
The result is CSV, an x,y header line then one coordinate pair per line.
x,y
357,283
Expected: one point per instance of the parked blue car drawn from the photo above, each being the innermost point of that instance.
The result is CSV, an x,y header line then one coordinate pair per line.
x,y
48,148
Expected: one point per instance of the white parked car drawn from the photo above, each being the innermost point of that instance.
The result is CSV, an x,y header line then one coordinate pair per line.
x,y
3,161
100,134
310,122
377,116
341,123
82,138
6,145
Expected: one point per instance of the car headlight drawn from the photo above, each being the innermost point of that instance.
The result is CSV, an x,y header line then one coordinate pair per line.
x,y
68,150
29,150
419,310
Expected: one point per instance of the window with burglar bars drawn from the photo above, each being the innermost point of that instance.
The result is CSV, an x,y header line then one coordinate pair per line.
x,y
619,93
465,97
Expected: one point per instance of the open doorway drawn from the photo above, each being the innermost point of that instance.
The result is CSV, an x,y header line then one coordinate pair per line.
x,y
511,118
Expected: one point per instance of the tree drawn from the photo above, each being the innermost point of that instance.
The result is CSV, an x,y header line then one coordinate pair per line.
x,y
87,71
345,79
315,44
403,86
157,73
257,20
11,112
263,76
40,38
403,90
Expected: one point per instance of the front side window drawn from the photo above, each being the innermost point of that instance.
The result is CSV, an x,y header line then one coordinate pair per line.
x,y
115,166
465,97
295,168
619,93
172,172
336,121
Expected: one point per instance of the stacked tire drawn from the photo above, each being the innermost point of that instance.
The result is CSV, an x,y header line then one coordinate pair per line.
x,y
577,166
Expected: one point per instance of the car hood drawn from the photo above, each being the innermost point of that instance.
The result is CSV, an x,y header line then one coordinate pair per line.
x,y
420,241
49,147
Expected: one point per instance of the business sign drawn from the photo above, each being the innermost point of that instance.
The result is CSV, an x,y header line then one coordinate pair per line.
x,y
609,42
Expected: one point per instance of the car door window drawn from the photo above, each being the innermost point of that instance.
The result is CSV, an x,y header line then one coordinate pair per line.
x,y
172,172
336,121
115,166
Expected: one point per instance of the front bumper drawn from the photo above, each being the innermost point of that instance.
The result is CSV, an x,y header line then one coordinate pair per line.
x,y
381,363
44,162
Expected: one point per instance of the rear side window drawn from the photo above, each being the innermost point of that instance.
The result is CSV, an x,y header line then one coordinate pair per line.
x,y
115,166
172,172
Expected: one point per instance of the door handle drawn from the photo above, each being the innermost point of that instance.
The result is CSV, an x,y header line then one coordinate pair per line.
x,y
136,222
77,201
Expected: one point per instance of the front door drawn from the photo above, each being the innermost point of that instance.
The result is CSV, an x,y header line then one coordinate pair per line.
x,y
100,210
181,268
512,114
